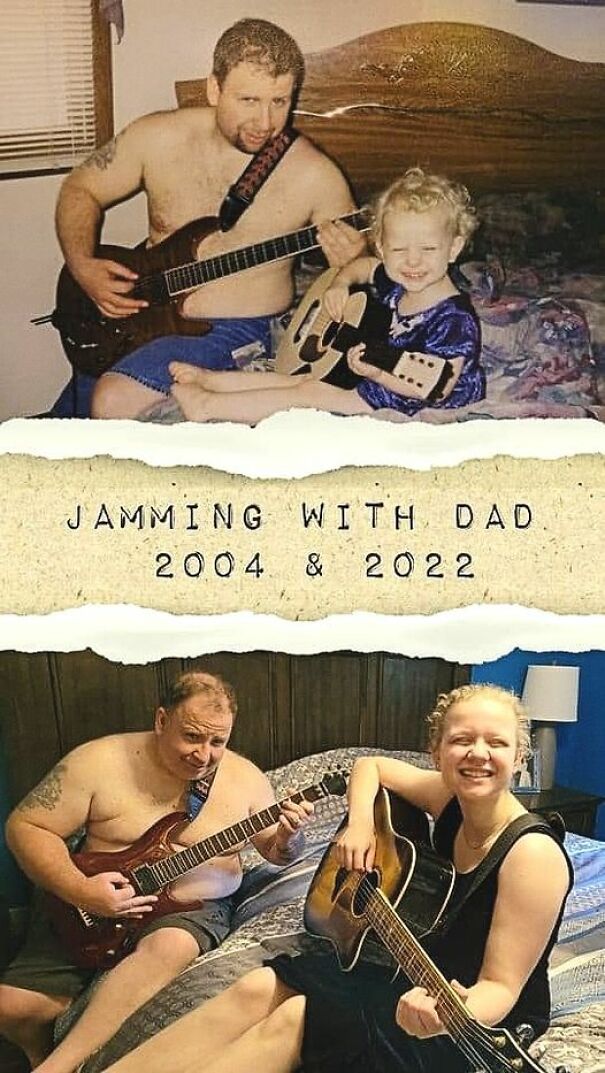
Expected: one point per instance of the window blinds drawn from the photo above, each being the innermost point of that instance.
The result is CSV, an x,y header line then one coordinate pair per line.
x,y
47,90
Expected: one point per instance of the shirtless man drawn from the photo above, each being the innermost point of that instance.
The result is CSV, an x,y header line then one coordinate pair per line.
x,y
118,786
185,161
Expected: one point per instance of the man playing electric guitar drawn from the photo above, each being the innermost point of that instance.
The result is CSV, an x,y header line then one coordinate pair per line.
x,y
117,787
186,161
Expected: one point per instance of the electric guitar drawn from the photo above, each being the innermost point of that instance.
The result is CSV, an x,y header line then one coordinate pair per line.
x,y
167,272
314,343
402,899
151,866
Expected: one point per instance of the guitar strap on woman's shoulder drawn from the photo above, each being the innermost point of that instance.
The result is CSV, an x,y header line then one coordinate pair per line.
x,y
552,825
242,193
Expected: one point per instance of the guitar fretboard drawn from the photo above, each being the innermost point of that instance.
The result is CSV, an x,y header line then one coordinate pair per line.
x,y
408,953
178,864
187,277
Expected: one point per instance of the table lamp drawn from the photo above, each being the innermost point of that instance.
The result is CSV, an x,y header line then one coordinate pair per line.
x,y
550,695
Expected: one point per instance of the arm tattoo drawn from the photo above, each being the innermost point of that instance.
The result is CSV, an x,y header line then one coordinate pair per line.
x,y
103,157
47,793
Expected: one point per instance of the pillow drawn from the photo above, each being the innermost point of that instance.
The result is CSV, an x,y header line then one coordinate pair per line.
x,y
552,227
329,811
585,909
537,350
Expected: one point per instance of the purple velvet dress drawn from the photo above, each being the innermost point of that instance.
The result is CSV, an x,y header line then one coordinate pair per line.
x,y
449,329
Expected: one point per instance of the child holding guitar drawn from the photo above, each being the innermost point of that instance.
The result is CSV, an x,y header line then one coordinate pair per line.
x,y
422,223
488,967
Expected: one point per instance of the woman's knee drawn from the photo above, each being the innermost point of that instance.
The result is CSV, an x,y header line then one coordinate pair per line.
x,y
256,987
288,1019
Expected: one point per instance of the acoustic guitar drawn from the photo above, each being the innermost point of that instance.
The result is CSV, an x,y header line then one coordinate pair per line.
x,y
151,865
167,272
402,899
314,343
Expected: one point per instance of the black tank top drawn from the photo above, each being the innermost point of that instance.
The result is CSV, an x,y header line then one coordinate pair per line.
x,y
459,953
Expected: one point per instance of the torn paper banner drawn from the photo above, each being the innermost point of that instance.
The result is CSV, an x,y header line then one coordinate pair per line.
x,y
473,634
303,442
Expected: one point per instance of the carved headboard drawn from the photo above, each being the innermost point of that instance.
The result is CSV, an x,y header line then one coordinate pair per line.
x,y
481,105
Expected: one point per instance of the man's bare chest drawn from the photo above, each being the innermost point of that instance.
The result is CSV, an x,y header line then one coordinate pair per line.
x,y
121,821
279,206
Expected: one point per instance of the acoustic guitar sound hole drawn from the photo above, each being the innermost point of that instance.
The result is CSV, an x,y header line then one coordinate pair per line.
x,y
329,335
366,885
307,322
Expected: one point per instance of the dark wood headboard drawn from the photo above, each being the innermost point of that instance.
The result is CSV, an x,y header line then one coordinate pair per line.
x,y
482,105
289,706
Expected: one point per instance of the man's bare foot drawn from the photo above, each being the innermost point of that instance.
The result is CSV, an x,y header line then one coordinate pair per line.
x,y
193,400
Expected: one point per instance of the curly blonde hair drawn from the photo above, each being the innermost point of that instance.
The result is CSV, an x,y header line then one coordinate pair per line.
x,y
445,701
417,191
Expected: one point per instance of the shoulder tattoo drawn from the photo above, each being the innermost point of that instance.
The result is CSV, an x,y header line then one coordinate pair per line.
x,y
103,157
48,792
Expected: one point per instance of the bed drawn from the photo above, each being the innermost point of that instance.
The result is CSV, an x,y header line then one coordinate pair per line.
x,y
269,919
524,129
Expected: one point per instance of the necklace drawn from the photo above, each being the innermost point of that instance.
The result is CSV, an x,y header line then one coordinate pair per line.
x,y
488,838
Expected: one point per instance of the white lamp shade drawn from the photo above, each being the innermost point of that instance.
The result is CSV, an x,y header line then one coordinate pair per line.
x,y
550,694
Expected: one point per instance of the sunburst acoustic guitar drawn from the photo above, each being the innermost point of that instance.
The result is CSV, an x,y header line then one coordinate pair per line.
x,y
152,866
403,898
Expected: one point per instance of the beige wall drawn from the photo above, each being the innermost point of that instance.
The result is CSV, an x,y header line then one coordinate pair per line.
x,y
164,42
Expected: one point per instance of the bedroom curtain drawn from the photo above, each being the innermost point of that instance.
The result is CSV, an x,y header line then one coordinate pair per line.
x,y
54,70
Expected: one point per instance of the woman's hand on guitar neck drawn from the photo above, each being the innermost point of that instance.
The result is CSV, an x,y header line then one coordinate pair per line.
x,y
356,846
417,1014
108,285
110,894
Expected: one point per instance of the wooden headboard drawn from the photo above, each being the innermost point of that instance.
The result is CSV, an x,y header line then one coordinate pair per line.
x,y
288,705
481,105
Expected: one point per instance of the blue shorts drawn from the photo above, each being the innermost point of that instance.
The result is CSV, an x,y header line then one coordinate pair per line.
x,y
218,349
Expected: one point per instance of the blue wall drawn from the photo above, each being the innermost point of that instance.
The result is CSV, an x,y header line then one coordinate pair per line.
x,y
581,745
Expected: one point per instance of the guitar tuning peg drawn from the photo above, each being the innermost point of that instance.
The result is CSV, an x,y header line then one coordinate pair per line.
x,y
525,1035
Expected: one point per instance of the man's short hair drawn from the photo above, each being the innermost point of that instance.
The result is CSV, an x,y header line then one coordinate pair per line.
x,y
215,689
259,42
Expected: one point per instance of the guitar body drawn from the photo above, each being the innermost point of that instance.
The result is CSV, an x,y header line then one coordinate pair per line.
x,y
152,865
167,272
414,879
402,899
314,343
93,342
100,942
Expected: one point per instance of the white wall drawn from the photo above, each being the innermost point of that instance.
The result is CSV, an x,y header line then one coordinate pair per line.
x,y
165,42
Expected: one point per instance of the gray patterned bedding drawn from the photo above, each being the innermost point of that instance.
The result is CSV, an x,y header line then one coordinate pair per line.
x,y
269,920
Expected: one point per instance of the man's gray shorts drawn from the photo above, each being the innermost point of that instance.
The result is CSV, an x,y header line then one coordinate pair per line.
x,y
42,964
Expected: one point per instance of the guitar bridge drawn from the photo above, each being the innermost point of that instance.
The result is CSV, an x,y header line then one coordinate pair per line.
x,y
87,919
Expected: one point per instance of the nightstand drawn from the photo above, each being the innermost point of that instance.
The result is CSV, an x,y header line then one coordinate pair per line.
x,y
578,809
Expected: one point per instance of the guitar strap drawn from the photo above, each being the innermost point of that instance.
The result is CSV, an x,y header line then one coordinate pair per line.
x,y
552,824
198,795
241,194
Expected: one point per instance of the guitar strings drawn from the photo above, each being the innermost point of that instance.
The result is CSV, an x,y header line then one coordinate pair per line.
x,y
463,1024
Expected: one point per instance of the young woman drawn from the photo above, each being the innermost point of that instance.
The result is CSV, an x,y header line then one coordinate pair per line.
x,y
304,1010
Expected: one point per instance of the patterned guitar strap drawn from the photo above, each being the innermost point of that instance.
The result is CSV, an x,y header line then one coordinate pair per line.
x,y
197,795
241,194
